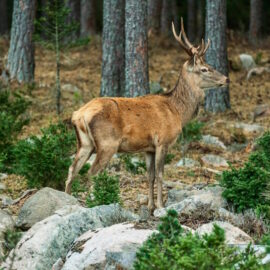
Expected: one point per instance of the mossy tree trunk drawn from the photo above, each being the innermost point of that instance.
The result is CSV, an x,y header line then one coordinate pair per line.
x,y
154,15
21,61
136,49
217,100
255,20
88,17
3,17
113,48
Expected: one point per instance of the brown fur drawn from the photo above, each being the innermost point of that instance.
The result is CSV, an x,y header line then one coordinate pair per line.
x,y
147,124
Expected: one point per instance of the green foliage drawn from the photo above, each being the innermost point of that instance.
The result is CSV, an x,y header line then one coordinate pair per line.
x,y
169,158
12,120
77,187
44,160
246,188
106,190
266,242
192,131
135,167
171,248
12,238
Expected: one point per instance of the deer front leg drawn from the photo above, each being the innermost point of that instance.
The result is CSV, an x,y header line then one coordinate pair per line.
x,y
150,165
161,152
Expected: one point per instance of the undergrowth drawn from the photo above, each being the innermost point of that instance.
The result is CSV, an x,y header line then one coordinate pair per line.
x,y
171,248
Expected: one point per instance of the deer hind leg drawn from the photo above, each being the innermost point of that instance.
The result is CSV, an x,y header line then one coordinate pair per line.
x,y
161,152
84,151
103,157
150,165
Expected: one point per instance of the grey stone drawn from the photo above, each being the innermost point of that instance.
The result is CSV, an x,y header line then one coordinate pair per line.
x,y
41,205
209,198
3,187
176,184
71,88
142,199
3,176
214,161
188,163
248,130
6,201
247,61
93,246
50,239
233,234
6,223
213,143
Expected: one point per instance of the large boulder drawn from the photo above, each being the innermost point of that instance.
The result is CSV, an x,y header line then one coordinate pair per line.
x,y
212,143
50,239
6,223
41,205
233,234
118,243
204,199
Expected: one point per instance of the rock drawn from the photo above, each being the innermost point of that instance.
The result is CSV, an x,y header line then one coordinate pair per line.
x,y
71,88
50,239
156,88
6,223
144,213
209,198
6,201
3,176
214,161
248,130
212,143
118,242
247,61
3,187
260,111
236,147
142,199
257,71
41,205
176,185
188,163
233,234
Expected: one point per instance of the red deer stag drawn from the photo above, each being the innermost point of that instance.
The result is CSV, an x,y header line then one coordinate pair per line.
x,y
147,124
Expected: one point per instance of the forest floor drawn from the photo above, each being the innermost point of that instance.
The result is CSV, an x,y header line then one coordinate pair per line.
x,y
81,67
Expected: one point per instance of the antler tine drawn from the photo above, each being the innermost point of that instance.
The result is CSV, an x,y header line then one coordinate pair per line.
x,y
201,48
184,35
207,46
179,39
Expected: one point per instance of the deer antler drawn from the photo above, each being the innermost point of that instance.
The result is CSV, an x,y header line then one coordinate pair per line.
x,y
185,43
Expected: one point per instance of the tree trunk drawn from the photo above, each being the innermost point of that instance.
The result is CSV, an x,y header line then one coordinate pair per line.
x,y
166,17
191,23
175,17
74,17
88,18
113,48
136,62
255,21
200,19
154,15
217,100
3,17
21,61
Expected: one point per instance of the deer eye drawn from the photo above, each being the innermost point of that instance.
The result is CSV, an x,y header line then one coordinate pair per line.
x,y
204,70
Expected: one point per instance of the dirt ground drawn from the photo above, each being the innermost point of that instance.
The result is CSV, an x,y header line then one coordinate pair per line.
x,y
81,67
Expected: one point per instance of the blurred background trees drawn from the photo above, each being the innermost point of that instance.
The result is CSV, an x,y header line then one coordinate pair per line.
x,y
125,26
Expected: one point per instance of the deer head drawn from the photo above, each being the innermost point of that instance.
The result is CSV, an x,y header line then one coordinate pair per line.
x,y
195,69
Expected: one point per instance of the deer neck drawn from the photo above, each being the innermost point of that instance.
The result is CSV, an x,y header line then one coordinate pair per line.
x,y
185,97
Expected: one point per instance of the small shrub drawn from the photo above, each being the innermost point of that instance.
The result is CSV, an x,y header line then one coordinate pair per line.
x,y
169,158
44,160
170,248
135,167
77,187
106,190
11,238
247,187
12,120
192,131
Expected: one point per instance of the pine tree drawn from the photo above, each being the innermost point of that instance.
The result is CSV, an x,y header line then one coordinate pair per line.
x,y
88,18
154,15
3,17
255,21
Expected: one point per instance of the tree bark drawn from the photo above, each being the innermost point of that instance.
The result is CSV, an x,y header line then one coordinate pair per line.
x,y
88,18
3,17
154,15
74,17
136,49
217,100
255,21
200,19
113,48
21,61
191,22
166,17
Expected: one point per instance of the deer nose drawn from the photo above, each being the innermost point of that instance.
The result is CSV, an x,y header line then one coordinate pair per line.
x,y
227,80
